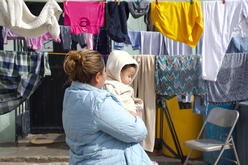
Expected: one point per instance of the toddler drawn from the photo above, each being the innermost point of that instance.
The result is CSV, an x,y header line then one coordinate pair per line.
x,y
121,70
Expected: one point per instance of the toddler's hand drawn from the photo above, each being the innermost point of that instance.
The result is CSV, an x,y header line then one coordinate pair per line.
x,y
133,113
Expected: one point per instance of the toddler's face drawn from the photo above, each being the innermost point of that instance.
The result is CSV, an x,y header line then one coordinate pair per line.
x,y
127,75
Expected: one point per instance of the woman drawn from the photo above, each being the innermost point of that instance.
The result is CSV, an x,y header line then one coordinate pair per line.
x,y
99,131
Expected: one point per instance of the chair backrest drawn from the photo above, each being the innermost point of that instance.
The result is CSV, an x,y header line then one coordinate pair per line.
x,y
223,117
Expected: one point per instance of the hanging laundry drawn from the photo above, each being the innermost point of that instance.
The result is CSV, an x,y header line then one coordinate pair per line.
x,y
102,42
148,21
138,8
89,41
221,23
37,42
1,38
134,39
238,45
176,48
200,104
157,44
184,102
32,43
152,43
231,83
10,35
67,38
117,27
144,88
20,75
179,75
180,21
15,15
84,17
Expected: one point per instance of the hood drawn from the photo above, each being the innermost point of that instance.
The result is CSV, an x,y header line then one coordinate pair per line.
x,y
116,61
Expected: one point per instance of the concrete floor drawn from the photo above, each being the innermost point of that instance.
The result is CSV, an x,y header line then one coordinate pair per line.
x,y
25,153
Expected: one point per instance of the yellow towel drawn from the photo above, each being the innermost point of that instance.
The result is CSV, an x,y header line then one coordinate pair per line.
x,y
180,21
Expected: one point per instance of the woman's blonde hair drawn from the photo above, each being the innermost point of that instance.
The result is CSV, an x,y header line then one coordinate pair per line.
x,y
83,65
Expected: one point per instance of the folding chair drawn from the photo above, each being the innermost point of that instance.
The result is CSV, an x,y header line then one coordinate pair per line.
x,y
222,118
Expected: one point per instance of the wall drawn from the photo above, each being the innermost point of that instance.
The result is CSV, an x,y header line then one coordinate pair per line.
x,y
7,128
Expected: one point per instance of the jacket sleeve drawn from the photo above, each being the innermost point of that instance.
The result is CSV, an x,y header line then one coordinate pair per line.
x,y
114,120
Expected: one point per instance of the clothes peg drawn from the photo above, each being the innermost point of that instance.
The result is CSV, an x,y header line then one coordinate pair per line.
x,y
191,2
66,2
119,1
156,2
115,2
100,2
224,1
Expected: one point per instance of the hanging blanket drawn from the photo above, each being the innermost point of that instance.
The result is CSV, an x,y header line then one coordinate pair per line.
x,y
231,84
178,75
20,74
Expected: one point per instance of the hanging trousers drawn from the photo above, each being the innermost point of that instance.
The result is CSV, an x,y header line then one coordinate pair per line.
x,y
144,88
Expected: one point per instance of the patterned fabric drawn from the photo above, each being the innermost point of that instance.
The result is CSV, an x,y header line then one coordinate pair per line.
x,y
20,74
231,84
178,75
102,42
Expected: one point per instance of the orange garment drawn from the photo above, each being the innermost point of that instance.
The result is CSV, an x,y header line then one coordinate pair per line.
x,y
180,21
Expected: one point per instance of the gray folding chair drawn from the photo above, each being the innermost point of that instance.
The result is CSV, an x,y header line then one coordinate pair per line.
x,y
222,118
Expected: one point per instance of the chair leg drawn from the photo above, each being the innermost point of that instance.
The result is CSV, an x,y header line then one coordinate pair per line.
x,y
221,152
185,162
235,152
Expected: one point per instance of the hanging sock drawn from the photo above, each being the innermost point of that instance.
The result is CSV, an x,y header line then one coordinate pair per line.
x,y
179,21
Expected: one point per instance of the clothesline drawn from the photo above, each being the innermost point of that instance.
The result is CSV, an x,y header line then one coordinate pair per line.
x,y
61,1
53,53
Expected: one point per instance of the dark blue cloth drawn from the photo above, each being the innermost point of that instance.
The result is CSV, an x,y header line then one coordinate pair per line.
x,y
238,45
117,27
102,42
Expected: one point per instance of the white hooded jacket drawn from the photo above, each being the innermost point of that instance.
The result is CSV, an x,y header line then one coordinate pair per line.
x,y
116,61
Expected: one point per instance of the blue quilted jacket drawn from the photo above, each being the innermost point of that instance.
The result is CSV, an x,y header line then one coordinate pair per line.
x,y
99,131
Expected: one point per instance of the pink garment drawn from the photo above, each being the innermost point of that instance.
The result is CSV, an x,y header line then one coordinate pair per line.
x,y
9,35
36,43
89,41
33,43
84,17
